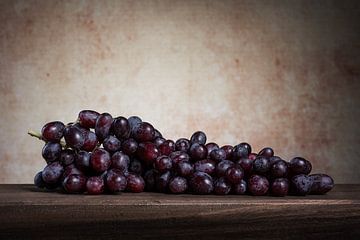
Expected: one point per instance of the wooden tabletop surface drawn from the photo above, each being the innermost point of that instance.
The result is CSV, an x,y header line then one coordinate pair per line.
x,y
26,212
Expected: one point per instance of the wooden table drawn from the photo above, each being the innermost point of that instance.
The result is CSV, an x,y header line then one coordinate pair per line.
x,y
26,212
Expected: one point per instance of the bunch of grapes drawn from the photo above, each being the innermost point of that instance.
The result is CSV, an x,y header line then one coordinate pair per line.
x,y
99,153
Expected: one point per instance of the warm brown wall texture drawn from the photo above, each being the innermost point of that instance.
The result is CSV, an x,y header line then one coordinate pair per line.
x,y
274,73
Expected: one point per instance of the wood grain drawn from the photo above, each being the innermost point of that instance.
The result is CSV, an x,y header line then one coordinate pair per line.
x,y
26,212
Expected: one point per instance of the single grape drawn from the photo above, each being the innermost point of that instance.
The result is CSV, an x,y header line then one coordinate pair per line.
x,y
299,165
280,187
90,142
82,160
261,165
274,159
321,183
52,173
266,152
210,147
112,144
184,168
201,183
95,185
121,161
198,137
87,118
129,146
218,155
279,169
207,166
198,151
241,150
157,134
228,150
179,156
221,186
70,170
67,157
222,166
133,122
182,144
135,183
38,181
163,164
74,183
51,151
136,166
121,128
74,137
258,185
158,141
100,160
148,152
178,185
53,131
149,178
234,175
247,165
301,184
103,126
162,181
115,180
239,188
167,147
144,132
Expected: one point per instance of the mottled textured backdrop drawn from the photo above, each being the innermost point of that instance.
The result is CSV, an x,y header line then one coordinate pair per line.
x,y
284,74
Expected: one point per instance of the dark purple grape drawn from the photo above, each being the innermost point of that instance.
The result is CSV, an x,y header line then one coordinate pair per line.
x,y
221,186
258,185
184,168
178,185
252,156
38,181
135,183
157,134
121,161
201,183
299,165
266,152
82,160
90,142
234,175
207,166
158,141
218,155
279,169
144,132
121,128
112,144
240,188
133,122
115,180
162,181
210,147
198,151
179,156
148,152
136,166
51,151
274,159
74,183
52,173
95,185
100,160
103,126
129,146
74,137
53,131
70,170
87,118
67,157
149,178
182,144
301,184
163,164
228,150
321,183
280,187
247,165
241,150
167,147
198,137
261,165
222,166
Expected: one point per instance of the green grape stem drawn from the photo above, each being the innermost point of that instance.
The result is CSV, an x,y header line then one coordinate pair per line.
x,y
38,136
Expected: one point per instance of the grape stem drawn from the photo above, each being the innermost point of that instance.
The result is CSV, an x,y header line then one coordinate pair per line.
x,y
38,136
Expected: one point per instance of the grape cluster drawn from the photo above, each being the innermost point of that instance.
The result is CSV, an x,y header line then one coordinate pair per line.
x,y
99,153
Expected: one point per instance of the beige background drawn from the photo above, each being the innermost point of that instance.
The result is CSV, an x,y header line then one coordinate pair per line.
x,y
274,73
